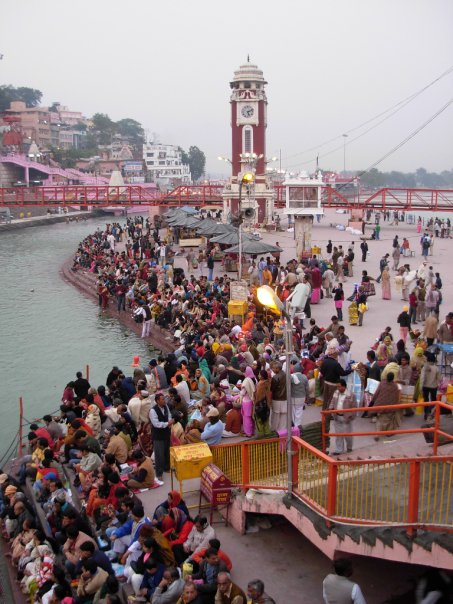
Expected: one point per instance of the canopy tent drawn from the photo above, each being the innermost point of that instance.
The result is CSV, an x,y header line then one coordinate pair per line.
x,y
184,221
216,229
185,209
251,246
189,210
230,238
176,218
207,222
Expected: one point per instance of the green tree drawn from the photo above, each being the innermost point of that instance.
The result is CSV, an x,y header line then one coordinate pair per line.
x,y
80,127
131,129
30,96
184,157
197,162
104,128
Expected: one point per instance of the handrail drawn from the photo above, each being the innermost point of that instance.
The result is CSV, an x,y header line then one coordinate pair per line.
x,y
404,492
435,430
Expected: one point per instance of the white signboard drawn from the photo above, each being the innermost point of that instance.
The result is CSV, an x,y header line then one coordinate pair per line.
x,y
239,290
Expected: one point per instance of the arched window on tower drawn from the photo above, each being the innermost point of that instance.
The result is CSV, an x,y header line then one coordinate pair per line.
x,y
247,139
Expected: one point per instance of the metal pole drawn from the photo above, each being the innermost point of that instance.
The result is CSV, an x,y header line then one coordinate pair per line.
x,y
240,232
21,416
345,136
289,416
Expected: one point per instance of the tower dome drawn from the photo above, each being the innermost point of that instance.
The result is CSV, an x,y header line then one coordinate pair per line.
x,y
248,72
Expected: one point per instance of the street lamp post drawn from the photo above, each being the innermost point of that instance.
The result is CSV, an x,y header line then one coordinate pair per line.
x,y
246,179
345,136
269,299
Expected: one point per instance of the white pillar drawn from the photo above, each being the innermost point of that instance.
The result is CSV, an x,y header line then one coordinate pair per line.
x,y
302,234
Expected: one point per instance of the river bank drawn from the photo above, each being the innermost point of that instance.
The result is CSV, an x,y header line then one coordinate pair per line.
x,y
160,339
34,221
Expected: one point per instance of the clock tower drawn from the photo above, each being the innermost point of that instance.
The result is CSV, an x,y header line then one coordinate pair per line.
x,y
248,150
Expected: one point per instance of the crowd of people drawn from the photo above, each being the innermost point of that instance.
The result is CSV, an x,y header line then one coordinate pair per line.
x,y
86,536
226,377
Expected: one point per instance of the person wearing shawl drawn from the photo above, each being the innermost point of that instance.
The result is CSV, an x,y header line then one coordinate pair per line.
x,y
203,387
93,419
247,396
384,351
192,434
174,500
262,404
391,367
182,527
205,369
385,284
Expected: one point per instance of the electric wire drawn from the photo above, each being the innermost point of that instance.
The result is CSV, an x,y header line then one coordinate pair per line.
x,y
394,109
398,146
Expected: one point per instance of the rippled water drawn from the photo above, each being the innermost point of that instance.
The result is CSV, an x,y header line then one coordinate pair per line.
x,y
48,334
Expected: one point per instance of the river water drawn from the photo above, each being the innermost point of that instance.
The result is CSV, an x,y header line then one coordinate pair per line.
x,y
48,330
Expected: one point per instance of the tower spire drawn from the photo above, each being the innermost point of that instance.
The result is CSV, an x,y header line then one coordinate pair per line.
x,y
248,58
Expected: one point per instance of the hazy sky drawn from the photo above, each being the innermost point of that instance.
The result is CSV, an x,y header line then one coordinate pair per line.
x,y
330,64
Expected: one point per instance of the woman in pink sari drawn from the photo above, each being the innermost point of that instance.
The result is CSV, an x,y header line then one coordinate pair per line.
x,y
385,284
247,394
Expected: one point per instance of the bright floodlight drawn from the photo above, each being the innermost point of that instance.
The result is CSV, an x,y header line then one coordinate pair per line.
x,y
268,298
248,178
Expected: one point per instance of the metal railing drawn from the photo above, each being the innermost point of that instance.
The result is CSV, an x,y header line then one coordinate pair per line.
x,y
434,429
254,464
403,492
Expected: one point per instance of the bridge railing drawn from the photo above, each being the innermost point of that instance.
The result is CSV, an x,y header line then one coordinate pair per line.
x,y
407,492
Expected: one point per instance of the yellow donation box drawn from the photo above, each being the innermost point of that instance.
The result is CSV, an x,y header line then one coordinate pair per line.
x,y
188,461
237,310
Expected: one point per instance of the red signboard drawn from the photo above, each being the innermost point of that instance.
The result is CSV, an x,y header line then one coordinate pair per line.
x,y
215,486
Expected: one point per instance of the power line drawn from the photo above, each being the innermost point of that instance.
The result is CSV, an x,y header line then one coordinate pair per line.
x,y
400,144
397,106
408,138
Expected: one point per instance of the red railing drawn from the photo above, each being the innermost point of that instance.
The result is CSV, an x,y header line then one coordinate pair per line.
x,y
407,492
432,200
435,429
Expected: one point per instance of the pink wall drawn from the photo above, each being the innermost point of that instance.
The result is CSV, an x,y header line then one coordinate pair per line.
x,y
332,546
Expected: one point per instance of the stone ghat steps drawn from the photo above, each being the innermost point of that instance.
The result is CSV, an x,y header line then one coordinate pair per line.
x,y
370,535
160,339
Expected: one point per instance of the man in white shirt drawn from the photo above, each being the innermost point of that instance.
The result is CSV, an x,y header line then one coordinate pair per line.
x,y
139,407
338,589
183,388
342,421
162,254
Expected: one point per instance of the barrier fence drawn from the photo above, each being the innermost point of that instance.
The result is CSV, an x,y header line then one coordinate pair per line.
x,y
403,491
434,430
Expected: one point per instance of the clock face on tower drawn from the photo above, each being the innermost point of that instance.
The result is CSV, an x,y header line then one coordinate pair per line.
x,y
247,111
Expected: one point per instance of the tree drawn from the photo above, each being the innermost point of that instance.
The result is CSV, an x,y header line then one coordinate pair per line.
x,y
184,156
197,162
104,128
130,128
30,96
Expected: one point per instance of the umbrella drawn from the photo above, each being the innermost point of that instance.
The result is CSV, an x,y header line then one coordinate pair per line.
x,y
230,238
251,246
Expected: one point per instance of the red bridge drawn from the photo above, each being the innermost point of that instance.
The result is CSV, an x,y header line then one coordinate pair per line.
x,y
422,200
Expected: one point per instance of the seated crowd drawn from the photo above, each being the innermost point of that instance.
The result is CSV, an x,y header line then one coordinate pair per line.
x,y
87,536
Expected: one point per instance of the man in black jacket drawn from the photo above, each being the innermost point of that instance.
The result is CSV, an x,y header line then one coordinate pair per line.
x,y
331,371
161,422
210,567
81,386
373,369
364,248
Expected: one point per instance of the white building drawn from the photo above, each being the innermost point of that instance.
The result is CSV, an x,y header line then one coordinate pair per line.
x,y
303,197
164,164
